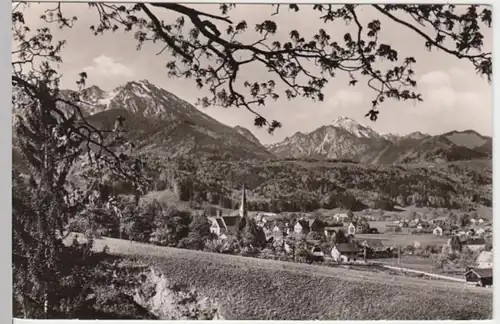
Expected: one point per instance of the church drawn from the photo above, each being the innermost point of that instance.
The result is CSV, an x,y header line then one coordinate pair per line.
x,y
222,225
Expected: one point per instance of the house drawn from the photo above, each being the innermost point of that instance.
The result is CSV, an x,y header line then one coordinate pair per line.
x,y
345,252
301,227
480,221
351,229
340,218
372,247
373,244
268,233
279,231
266,215
316,251
480,232
485,260
218,227
475,244
482,277
472,221
330,231
438,231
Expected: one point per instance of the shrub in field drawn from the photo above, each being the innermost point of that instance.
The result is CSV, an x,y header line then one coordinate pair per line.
x,y
409,249
138,221
171,225
315,236
192,242
228,246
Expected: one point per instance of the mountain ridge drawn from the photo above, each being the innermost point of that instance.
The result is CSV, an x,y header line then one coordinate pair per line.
x,y
347,139
167,124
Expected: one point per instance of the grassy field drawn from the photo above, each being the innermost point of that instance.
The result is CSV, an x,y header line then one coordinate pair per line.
x,y
249,288
415,263
403,239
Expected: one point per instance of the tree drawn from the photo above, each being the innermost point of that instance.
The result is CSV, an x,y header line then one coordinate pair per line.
x,y
207,47
138,221
171,225
463,219
315,236
351,216
199,233
456,244
53,138
340,237
252,235
200,225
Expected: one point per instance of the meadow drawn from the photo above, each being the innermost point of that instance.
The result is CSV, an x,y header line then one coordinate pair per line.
x,y
403,239
249,288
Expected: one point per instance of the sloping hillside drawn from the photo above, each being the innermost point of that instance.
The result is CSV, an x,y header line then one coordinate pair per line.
x,y
179,137
256,289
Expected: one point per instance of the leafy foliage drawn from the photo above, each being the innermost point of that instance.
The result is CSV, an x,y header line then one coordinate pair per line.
x,y
209,49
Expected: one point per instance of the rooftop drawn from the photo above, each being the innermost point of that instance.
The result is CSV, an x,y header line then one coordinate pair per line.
x,y
347,248
482,273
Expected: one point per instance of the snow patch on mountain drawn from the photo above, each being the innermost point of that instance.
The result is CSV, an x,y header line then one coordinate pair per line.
x,y
355,128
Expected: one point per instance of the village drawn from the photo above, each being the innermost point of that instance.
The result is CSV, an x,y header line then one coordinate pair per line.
x,y
349,239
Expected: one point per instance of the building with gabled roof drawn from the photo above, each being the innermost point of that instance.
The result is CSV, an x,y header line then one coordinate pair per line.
x,y
485,260
345,252
230,224
438,231
218,227
482,277
475,244
372,244
301,227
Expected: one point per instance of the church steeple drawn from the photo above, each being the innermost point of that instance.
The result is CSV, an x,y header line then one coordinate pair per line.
x,y
243,204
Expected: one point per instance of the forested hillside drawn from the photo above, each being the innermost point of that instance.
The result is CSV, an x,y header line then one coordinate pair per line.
x,y
308,185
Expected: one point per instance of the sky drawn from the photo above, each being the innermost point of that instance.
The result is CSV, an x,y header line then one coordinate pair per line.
x,y
455,97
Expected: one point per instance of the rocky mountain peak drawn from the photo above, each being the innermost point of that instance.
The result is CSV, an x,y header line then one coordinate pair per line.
x,y
355,128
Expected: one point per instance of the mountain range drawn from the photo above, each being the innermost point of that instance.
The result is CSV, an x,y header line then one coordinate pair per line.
x,y
160,123
344,138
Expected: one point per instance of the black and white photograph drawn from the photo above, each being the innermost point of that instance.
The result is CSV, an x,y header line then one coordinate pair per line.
x,y
265,161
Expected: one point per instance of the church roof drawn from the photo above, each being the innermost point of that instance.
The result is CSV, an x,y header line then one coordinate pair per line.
x,y
231,220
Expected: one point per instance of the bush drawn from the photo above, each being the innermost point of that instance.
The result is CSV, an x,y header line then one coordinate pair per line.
x,y
315,236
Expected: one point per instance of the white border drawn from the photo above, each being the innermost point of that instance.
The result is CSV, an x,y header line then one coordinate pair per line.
x,y
6,143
